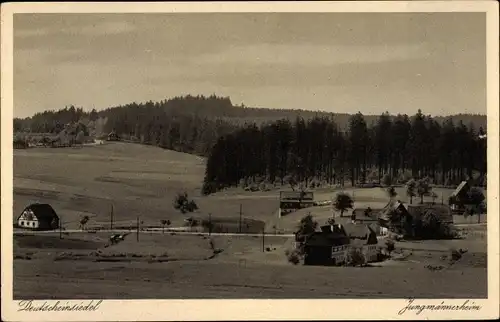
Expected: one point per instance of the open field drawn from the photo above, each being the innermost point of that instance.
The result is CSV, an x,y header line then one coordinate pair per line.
x,y
181,267
137,180
142,181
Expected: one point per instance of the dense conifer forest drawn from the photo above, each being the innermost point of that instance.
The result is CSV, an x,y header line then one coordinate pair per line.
x,y
245,144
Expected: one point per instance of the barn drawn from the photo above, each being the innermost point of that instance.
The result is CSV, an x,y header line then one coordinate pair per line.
x,y
38,217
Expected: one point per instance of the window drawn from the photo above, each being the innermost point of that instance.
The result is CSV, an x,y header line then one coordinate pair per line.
x,y
33,224
22,223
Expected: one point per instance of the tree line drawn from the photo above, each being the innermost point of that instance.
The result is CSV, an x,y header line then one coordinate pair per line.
x,y
276,147
305,151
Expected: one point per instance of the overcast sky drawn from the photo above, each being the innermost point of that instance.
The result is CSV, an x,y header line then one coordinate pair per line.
x,y
338,62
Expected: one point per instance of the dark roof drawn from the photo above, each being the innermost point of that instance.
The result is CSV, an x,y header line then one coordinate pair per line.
x,y
374,226
462,187
397,206
43,212
360,213
359,231
326,239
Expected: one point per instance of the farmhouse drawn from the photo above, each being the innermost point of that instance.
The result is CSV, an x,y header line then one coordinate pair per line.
x,y
294,200
332,244
38,217
394,215
459,197
112,136
326,247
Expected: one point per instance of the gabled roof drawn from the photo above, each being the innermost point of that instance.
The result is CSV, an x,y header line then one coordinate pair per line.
x,y
326,239
397,206
359,231
459,189
43,212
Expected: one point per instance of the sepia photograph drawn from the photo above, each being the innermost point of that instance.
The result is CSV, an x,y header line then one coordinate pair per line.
x,y
271,155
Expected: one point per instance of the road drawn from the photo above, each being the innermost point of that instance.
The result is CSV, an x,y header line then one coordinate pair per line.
x,y
150,231
177,231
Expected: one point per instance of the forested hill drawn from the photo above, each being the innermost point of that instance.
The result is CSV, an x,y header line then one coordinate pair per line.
x,y
214,107
188,123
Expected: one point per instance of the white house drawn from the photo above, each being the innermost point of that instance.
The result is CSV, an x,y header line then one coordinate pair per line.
x,y
38,217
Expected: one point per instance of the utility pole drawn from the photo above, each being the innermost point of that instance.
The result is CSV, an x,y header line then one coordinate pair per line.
x,y
60,228
111,225
240,215
263,241
137,228
209,224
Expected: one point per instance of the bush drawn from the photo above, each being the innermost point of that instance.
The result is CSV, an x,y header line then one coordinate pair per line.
x,y
191,222
208,188
307,225
456,255
355,257
390,246
430,226
183,204
293,256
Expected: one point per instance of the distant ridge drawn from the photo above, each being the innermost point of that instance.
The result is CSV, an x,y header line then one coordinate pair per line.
x,y
221,108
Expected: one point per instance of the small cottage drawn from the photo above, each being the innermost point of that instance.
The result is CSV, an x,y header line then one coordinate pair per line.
x,y
459,197
112,136
38,217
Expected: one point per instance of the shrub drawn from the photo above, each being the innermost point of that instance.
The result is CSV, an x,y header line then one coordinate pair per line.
x,y
208,188
307,225
191,222
293,256
183,204
390,246
391,192
430,226
455,255
355,257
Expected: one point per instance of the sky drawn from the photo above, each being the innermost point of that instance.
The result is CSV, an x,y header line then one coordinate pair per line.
x,y
336,62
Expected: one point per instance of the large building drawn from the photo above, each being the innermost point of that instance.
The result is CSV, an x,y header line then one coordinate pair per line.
x,y
294,200
38,217
332,245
